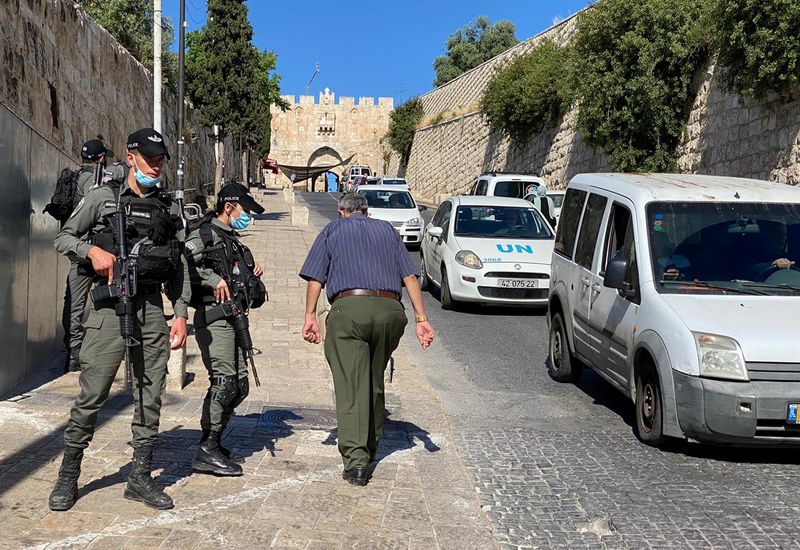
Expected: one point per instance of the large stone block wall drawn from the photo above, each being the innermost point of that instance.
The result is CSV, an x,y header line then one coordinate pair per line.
x,y
70,80
725,134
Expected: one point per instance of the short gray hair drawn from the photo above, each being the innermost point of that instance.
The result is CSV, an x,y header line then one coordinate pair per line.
x,y
353,202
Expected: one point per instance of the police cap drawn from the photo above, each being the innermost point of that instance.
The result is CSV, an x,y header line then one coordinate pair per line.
x,y
148,142
236,192
94,149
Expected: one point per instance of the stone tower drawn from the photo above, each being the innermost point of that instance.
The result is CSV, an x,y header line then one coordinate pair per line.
x,y
325,133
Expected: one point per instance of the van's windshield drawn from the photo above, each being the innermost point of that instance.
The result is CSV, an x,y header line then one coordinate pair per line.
x,y
725,248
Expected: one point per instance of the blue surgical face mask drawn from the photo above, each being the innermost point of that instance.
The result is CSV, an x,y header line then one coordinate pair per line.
x,y
144,180
242,221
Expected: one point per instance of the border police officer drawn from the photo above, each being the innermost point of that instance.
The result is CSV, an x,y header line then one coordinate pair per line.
x,y
154,226
93,157
363,264
218,259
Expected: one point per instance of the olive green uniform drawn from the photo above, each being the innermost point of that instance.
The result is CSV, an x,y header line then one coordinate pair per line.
x,y
362,332
225,362
103,348
77,284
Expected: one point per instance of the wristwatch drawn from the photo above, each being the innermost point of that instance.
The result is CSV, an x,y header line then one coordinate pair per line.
x,y
421,318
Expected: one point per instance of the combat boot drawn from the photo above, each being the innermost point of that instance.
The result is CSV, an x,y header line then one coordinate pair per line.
x,y
141,486
233,457
65,492
209,458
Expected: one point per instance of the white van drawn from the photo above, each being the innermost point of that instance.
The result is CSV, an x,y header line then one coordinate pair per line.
x,y
517,186
683,292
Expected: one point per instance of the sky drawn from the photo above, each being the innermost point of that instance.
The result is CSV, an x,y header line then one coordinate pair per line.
x,y
371,49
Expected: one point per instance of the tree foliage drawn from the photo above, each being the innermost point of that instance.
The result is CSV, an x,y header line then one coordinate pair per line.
x,y
219,67
759,45
529,94
634,65
402,126
130,22
471,45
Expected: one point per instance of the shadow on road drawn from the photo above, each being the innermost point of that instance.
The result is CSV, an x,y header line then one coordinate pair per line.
x,y
478,308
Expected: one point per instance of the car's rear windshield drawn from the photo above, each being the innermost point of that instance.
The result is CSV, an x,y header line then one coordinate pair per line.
x,y
722,247
501,221
558,199
393,182
387,199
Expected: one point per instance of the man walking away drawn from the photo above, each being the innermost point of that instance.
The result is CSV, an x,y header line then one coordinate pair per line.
x,y
363,264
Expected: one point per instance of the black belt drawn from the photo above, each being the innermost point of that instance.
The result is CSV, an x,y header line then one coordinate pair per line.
x,y
364,292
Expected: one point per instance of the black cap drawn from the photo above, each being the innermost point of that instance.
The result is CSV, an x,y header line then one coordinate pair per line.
x,y
94,149
236,192
148,142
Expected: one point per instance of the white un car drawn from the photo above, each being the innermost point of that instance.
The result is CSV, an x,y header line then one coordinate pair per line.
x,y
487,249
683,292
397,207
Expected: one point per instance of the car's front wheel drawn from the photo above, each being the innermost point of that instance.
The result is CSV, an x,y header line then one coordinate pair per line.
x,y
446,298
424,280
649,414
562,366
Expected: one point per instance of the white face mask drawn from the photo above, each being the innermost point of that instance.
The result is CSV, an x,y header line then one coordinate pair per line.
x,y
142,179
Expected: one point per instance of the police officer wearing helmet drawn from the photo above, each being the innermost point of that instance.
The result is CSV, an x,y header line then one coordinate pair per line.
x,y
93,157
153,234
217,259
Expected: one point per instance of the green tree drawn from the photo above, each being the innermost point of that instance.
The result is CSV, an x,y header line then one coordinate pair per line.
x,y
759,45
220,73
528,95
402,125
130,22
267,92
634,65
471,45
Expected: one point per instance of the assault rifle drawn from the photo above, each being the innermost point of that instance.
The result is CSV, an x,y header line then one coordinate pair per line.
x,y
123,289
232,309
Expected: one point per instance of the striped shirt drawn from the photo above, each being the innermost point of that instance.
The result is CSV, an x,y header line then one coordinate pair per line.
x,y
358,253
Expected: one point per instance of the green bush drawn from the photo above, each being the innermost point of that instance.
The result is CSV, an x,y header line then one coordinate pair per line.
x,y
528,95
759,45
633,72
403,124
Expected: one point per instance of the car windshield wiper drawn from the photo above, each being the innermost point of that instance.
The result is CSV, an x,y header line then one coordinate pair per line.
x,y
782,286
711,286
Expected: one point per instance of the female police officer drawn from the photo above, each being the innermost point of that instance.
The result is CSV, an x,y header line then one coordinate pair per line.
x,y
225,282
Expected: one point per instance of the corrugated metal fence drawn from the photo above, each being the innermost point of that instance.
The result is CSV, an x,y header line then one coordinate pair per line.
x,y
32,274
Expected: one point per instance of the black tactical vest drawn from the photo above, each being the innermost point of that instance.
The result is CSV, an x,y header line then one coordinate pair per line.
x,y
232,261
154,263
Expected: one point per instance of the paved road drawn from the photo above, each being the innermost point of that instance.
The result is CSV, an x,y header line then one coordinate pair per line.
x,y
558,466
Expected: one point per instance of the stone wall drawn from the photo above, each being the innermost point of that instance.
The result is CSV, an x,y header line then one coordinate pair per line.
x,y
70,80
725,135
325,132
63,80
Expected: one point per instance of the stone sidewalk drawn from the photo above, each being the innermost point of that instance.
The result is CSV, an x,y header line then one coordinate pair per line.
x,y
291,494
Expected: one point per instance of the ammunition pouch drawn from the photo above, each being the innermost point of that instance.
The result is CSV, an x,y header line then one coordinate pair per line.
x,y
156,264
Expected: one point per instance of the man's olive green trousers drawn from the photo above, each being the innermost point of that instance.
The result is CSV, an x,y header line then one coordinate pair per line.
x,y
362,333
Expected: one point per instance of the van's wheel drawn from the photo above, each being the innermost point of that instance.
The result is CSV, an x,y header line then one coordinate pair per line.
x,y
562,366
649,412
424,280
446,298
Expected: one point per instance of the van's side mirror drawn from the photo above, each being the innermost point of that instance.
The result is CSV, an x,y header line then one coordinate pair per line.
x,y
436,232
422,207
615,275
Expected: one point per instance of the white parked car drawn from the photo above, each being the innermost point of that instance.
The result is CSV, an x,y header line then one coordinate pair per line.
x,y
487,249
683,292
397,207
506,184
395,182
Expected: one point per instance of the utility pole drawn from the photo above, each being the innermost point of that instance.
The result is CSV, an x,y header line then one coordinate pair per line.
x,y
179,185
316,72
157,65
402,89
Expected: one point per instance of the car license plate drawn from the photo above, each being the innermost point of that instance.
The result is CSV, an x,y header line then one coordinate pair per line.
x,y
791,414
518,283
